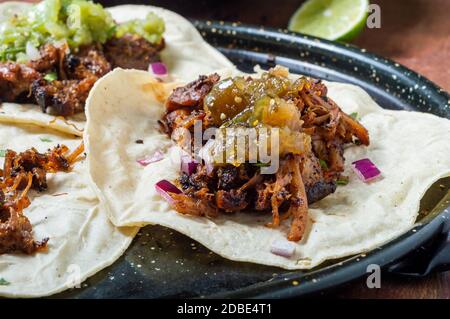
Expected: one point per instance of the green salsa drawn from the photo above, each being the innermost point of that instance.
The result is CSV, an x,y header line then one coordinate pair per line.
x,y
249,101
77,22
260,103
150,29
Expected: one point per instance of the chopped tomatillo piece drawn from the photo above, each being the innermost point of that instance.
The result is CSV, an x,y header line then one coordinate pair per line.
x,y
50,77
77,22
151,28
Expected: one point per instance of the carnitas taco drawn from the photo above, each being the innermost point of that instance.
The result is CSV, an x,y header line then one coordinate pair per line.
x,y
345,177
53,52
54,232
311,133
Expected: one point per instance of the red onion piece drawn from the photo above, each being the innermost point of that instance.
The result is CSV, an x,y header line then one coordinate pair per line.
x,y
283,248
188,164
158,69
164,188
366,170
156,157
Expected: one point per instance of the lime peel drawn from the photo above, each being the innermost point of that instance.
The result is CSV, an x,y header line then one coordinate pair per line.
x,y
330,19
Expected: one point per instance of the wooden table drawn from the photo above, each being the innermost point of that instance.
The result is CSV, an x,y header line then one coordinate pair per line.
x,y
415,33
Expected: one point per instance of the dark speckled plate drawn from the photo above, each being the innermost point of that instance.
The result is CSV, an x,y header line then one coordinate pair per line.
x,y
161,263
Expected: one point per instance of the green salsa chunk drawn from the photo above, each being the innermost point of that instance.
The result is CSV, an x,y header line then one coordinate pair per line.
x,y
260,103
77,22
151,28
249,101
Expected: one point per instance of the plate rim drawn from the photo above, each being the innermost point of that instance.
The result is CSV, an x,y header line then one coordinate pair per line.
x,y
330,277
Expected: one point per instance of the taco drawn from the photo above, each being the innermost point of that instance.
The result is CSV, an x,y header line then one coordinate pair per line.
x,y
53,52
54,233
336,192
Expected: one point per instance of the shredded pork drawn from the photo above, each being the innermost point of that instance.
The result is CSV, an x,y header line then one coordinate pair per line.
x,y
302,178
21,173
76,72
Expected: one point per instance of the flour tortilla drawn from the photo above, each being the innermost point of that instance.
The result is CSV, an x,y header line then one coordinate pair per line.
x,y
411,149
82,239
186,55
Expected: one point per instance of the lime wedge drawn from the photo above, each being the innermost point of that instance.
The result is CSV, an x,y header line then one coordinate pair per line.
x,y
330,19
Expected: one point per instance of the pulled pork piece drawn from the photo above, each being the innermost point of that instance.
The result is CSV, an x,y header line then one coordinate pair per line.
x,y
272,195
50,56
317,185
38,164
298,208
89,61
354,128
191,95
16,232
193,206
16,79
132,52
185,105
15,82
22,172
231,201
65,97
78,74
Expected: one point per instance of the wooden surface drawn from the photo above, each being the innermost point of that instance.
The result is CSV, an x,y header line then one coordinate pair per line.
x,y
415,33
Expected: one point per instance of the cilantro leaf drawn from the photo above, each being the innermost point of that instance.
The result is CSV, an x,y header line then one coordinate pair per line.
x,y
50,77
259,164
4,282
45,139
354,115
323,164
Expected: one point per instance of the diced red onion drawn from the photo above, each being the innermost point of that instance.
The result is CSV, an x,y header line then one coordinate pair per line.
x,y
158,69
188,164
32,52
283,248
164,188
366,170
156,157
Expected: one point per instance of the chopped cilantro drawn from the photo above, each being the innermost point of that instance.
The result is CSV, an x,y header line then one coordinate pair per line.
x,y
45,139
259,164
342,181
50,77
324,164
4,282
354,115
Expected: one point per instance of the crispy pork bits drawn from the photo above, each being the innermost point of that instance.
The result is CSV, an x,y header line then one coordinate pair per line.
x,y
73,74
132,52
22,172
314,132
